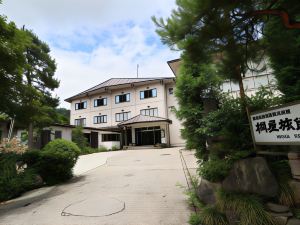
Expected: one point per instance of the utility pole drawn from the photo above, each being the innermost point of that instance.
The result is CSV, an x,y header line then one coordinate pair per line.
x,y
137,71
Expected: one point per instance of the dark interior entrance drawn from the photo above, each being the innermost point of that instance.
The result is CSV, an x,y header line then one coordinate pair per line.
x,y
148,135
94,139
46,137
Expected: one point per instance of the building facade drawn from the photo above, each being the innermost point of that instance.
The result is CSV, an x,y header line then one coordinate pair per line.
x,y
131,111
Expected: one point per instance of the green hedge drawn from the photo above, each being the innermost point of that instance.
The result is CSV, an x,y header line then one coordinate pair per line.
x,y
54,163
13,184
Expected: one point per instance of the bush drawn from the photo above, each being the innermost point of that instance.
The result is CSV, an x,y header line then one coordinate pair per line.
x,y
12,182
55,161
79,138
89,150
215,170
114,148
12,145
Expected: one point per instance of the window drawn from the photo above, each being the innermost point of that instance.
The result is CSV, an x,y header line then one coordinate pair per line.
x,y
100,119
110,137
149,112
100,102
122,98
81,105
122,116
80,122
148,93
57,134
171,91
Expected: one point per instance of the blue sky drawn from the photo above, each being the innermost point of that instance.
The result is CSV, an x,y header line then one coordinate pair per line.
x,y
92,41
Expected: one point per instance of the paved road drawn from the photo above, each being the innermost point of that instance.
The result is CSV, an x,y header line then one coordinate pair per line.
x,y
132,188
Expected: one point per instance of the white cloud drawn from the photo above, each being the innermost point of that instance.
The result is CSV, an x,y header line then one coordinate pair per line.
x,y
80,70
92,41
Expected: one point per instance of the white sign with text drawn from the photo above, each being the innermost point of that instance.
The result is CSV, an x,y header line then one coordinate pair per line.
x,y
279,125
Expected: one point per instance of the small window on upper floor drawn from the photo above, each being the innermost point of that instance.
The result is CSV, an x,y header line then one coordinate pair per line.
x,y
149,112
81,105
100,119
122,98
80,122
100,102
171,91
123,116
148,93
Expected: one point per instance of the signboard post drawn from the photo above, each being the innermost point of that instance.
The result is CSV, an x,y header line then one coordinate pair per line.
x,y
277,126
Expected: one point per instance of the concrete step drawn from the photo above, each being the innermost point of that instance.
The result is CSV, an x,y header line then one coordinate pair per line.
x,y
140,147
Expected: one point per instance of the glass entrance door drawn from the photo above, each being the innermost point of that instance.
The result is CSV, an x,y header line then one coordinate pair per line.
x,y
148,135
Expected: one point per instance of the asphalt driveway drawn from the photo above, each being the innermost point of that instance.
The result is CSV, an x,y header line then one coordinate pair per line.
x,y
140,187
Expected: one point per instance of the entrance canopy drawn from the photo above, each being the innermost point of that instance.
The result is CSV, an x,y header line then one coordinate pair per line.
x,y
145,130
143,119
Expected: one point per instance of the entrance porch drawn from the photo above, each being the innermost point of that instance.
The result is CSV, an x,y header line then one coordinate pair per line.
x,y
145,131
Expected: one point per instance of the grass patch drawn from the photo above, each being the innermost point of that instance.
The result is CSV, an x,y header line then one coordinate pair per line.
x,y
249,208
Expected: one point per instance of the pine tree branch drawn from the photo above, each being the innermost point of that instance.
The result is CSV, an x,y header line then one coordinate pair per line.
x,y
284,16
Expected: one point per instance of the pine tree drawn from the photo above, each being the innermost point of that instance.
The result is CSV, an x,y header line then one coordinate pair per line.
x,y
38,105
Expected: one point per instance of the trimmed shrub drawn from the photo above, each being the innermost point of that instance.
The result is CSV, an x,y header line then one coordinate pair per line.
x,y
56,161
12,182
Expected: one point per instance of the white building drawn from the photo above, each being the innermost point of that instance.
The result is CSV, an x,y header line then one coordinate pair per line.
x,y
128,112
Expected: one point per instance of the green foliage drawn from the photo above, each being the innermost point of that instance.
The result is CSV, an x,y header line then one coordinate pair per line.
x,y
282,171
296,213
63,116
195,219
55,162
37,105
193,200
283,48
12,62
26,78
79,138
89,150
194,84
249,208
210,215
214,170
114,148
13,183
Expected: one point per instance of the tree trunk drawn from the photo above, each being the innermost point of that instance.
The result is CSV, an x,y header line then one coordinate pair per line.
x,y
30,136
244,101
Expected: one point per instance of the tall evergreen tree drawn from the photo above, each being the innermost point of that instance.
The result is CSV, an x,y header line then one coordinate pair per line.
x,y
221,35
38,104
12,62
283,48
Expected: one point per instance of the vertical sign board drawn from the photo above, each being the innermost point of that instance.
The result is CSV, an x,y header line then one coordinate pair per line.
x,y
277,126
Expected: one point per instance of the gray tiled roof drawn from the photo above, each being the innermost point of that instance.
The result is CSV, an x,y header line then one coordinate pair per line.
x,y
118,81
143,119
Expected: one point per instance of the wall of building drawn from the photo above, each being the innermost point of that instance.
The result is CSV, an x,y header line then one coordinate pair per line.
x,y
134,106
176,126
163,102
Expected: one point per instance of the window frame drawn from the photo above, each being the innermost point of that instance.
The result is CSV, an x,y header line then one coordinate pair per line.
x,y
96,101
171,91
119,97
83,124
84,105
123,117
144,95
100,119
105,137
149,112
